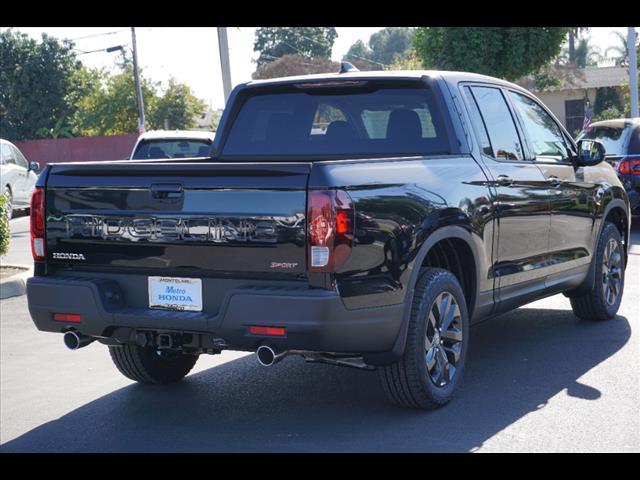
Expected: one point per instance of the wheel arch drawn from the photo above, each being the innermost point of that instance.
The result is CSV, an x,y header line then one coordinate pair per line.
x,y
616,212
456,236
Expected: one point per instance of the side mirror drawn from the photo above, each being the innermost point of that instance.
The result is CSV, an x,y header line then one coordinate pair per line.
x,y
590,152
34,166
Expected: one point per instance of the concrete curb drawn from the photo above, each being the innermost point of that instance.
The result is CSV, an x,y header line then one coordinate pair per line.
x,y
15,285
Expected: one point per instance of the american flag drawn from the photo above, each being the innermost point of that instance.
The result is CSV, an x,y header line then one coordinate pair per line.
x,y
586,123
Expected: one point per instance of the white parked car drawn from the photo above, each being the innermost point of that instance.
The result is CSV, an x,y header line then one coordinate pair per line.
x,y
172,144
18,177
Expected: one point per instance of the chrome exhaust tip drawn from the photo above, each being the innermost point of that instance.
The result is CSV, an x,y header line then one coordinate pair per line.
x,y
75,340
267,356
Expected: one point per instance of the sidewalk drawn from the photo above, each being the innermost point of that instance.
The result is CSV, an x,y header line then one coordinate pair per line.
x,y
19,255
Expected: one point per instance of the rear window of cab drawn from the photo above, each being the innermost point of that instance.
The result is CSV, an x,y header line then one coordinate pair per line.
x,y
346,122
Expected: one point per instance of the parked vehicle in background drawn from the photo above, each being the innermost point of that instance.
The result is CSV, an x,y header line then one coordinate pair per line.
x,y
431,201
158,144
18,177
621,139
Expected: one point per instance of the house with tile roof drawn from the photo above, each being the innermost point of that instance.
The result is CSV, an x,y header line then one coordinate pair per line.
x,y
569,100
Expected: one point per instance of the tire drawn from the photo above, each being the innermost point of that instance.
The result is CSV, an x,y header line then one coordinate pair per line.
x,y
599,303
411,382
148,365
8,204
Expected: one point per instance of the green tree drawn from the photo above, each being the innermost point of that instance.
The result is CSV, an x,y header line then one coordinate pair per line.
x,y
295,65
178,107
506,52
574,33
383,49
110,108
360,56
215,120
409,61
275,42
36,82
585,54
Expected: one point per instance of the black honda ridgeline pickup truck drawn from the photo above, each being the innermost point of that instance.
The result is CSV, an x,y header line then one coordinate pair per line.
x,y
358,219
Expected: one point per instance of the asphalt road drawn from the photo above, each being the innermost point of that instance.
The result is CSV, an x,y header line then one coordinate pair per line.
x,y
537,379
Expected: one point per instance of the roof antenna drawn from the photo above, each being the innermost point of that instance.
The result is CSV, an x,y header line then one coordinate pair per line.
x,y
347,67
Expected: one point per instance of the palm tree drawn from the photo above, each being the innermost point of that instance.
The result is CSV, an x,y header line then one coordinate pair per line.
x,y
574,32
585,54
621,50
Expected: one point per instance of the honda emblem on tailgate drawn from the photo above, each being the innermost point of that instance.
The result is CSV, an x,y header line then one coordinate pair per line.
x,y
68,256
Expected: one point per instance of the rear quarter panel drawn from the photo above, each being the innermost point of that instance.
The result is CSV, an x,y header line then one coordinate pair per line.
x,y
399,203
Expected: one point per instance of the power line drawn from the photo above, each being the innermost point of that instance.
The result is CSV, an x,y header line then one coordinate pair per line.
x,y
96,35
325,44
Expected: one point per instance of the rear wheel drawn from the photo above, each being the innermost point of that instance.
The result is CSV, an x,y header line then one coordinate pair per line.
x,y
148,365
431,367
603,301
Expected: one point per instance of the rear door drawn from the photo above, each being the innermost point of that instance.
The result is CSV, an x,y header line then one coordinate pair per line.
x,y
521,194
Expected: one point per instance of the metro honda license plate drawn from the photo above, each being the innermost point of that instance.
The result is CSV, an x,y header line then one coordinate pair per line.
x,y
171,293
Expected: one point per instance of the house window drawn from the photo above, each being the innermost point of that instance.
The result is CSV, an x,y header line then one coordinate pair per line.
x,y
574,115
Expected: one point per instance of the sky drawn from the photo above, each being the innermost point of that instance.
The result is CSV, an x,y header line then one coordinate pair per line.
x,y
191,55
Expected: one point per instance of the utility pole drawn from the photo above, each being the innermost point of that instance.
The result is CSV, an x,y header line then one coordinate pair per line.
x,y
223,45
633,70
136,76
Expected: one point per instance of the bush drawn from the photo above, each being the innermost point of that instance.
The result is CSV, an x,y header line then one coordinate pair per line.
x,y
4,228
608,114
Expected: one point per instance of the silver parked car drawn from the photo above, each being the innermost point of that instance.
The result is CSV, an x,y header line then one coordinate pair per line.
x,y
18,177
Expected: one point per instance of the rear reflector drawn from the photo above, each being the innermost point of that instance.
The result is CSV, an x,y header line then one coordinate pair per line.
x,y
67,317
271,331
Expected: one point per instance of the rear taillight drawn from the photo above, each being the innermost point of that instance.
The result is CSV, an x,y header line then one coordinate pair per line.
x,y
37,224
630,166
330,218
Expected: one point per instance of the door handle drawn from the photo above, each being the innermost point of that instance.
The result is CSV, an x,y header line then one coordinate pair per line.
x,y
166,190
504,180
554,181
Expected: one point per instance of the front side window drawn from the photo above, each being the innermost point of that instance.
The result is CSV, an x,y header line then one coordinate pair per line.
x,y
362,122
545,137
503,135
20,160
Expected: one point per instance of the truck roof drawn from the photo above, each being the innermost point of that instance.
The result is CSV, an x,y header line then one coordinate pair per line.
x,y
449,76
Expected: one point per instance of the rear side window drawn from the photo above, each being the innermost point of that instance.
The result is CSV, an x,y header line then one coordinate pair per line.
x,y
477,120
7,153
611,137
155,149
503,135
349,122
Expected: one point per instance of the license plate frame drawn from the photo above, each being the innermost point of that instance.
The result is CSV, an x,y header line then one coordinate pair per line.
x,y
178,294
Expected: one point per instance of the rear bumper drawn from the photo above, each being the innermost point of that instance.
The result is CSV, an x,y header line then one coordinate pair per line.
x,y
315,320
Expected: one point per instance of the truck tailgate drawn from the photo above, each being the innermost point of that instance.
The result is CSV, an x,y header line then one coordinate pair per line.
x,y
218,219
